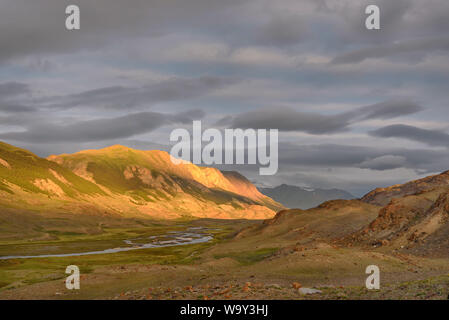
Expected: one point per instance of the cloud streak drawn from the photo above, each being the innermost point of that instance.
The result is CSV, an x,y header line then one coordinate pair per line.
x,y
100,129
288,119
430,137
125,98
10,89
424,45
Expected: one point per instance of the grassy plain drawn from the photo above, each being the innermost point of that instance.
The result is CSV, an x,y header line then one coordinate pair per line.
x,y
235,265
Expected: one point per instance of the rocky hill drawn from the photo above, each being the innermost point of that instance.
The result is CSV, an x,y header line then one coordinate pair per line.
x,y
382,196
409,218
415,220
325,223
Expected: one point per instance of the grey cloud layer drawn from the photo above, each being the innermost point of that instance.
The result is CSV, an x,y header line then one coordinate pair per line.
x,y
388,109
38,27
8,89
425,46
287,119
333,155
117,98
316,166
124,98
100,129
8,92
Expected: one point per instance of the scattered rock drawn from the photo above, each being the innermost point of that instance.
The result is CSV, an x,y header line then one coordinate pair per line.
x,y
341,295
296,285
305,291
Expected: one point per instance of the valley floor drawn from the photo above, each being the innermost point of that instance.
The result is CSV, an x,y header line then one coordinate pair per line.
x,y
228,267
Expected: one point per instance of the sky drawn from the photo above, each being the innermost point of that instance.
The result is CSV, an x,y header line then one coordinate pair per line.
x,y
355,108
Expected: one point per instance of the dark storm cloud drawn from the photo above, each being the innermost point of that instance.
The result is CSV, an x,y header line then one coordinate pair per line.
x,y
100,129
388,109
430,137
424,45
386,162
23,119
287,119
8,89
118,97
282,31
15,108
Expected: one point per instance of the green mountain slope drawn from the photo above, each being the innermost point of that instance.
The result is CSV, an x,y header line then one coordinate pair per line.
x,y
126,182
23,169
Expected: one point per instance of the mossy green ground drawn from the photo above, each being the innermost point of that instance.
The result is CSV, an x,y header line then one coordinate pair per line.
x,y
248,257
18,272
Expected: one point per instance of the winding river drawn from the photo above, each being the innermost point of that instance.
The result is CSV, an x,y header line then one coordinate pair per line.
x,y
173,238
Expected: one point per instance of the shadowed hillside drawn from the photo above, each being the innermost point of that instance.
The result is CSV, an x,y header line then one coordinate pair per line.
x,y
415,217
410,218
330,220
382,196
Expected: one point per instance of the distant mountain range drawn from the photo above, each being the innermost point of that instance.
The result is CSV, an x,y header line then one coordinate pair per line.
x,y
303,198
122,181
